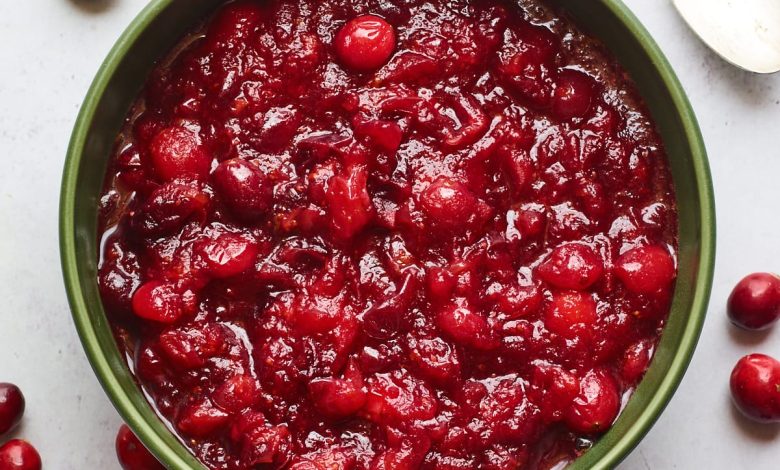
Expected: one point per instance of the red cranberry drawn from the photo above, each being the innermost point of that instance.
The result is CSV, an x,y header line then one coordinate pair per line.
x,y
339,398
466,326
17,454
237,393
596,406
349,204
572,266
365,43
201,419
11,407
436,360
398,397
755,387
646,270
132,454
178,151
636,360
573,94
244,188
754,304
169,207
568,309
451,206
159,301
227,254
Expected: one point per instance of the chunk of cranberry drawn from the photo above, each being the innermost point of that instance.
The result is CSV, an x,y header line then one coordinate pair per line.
x,y
177,151
365,43
569,309
755,387
449,205
636,360
398,397
160,301
386,135
17,454
572,266
244,188
646,270
236,21
132,454
259,442
597,404
466,326
236,393
557,386
201,419
169,207
191,347
519,301
436,360
227,254
339,398
349,204
754,304
11,407
406,455
526,61
573,94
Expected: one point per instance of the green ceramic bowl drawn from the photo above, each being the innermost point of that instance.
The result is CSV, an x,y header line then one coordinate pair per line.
x,y
159,27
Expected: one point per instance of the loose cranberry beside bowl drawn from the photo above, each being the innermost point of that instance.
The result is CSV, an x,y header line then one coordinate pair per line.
x,y
376,236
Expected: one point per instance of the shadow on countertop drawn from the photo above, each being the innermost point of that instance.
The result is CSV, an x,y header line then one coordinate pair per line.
x,y
93,6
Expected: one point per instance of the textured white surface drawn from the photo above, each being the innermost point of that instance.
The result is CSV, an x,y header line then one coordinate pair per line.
x,y
49,52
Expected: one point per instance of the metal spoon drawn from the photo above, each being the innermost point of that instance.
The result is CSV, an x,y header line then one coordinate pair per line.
x,y
744,32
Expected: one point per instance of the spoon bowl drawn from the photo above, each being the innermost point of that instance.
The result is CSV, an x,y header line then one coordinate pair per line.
x,y
745,33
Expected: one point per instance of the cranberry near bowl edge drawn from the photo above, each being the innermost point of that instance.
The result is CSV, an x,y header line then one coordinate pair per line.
x,y
627,40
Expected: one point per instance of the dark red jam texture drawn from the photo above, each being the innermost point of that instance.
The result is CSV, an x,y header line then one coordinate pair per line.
x,y
439,236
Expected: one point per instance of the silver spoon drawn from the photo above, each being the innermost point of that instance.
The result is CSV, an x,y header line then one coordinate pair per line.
x,y
744,32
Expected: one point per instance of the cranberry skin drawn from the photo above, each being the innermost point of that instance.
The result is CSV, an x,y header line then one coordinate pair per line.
x,y
132,454
572,266
597,404
573,94
177,151
19,455
755,387
646,270
246,190
365,43
11,407
754,304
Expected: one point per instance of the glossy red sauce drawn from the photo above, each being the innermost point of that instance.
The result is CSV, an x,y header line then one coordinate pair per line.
x,y
442,236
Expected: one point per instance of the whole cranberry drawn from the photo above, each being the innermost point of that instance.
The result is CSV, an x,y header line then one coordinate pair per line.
x,y
755,387
646,270
365,43
11,407
754,304
244,188
573,94
597,404
17,454
572,266
158,301
132,454
177,151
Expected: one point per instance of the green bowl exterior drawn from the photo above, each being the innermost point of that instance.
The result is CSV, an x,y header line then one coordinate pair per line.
x,y
157,29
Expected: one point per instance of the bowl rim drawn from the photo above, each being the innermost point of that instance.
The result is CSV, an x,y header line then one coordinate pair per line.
x,y
621,447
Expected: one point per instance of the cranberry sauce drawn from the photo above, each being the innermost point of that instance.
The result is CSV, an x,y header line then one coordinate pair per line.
x,y
388,234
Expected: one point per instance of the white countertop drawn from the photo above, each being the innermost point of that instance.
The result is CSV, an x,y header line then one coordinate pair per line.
x,y
51,49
